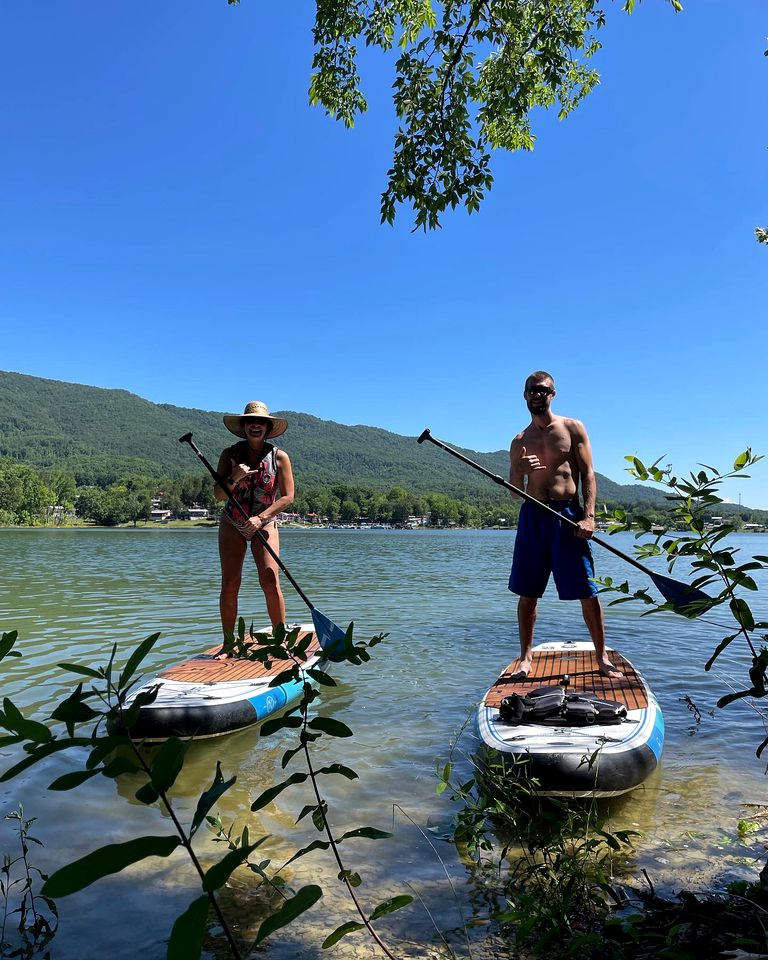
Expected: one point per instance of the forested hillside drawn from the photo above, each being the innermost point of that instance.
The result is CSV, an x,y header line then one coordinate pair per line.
x,y
101,435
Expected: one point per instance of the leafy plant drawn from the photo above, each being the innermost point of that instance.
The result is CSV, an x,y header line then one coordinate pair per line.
x,y
38,917
699,539
550,860
84,719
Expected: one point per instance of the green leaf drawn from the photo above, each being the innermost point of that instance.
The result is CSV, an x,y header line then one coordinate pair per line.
x,y
83,671
211,795
306,898
342,931
74,710
41,752
285,676
120,765
321,677
71,780
136,657
319,815
368,833
315,845
269,795
147,794
334,728
29,729
106,860
339,768
741,611
188,933
220,872
289,755
389,906
167,764
279,723
7,643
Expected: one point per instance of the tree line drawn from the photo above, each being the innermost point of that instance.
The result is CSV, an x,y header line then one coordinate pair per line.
x,y
32,497
29,496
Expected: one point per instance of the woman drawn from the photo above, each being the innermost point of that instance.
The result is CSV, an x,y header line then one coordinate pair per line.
x,y
260,478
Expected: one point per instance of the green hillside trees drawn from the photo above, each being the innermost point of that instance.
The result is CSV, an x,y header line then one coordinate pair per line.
x,y
24,497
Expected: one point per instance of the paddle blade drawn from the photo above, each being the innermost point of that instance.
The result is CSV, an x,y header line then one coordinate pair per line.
x,y
331,637
682,595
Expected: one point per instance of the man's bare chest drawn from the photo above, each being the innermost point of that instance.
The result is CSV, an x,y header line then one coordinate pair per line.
x,y
551,447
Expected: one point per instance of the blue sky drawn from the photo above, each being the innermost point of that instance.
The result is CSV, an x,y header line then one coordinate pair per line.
x,y
175,220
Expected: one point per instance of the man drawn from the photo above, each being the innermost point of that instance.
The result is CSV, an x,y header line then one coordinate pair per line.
x,y
553,454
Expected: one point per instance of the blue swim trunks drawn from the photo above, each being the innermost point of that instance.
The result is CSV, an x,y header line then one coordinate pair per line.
x,y
544,545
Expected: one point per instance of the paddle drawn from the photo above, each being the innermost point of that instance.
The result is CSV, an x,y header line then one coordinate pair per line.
x,y
682,595
330,636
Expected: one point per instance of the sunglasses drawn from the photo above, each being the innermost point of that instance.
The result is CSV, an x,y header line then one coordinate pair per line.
x,y
539,391
259,420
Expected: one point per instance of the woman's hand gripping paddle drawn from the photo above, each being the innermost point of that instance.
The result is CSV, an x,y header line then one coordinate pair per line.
x,y
681,595
331,637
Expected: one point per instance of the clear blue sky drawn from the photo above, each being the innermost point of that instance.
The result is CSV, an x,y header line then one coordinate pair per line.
x,y
175,220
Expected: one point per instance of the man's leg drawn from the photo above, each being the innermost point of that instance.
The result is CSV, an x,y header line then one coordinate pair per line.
x,y
593,617
526,621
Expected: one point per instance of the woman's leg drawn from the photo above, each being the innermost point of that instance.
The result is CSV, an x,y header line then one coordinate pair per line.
x,y
269,573
231,553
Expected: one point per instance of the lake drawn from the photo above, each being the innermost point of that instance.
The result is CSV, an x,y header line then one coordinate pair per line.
x,y
442,598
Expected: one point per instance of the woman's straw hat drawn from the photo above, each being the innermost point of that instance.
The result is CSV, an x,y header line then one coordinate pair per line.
x,y
235,422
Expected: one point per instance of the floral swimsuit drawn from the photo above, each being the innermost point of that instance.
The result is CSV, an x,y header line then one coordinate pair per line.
x,y
256,491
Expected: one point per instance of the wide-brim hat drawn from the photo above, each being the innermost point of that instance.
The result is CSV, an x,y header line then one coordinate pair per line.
x,y
235,422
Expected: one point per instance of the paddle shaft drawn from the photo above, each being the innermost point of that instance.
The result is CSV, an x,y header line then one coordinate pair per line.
x,y
426,435
187,438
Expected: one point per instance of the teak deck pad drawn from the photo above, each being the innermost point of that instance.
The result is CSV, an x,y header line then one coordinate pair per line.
x,y
550,666
205,668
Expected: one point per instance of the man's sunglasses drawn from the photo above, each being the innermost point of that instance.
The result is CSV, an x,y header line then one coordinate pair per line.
x,y
540,391
259,420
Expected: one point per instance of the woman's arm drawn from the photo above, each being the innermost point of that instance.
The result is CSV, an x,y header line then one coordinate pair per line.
x,y
224,470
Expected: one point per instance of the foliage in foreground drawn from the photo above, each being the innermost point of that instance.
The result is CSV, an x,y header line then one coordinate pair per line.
x,y
81,724
712,560
468,77
36,916
550,875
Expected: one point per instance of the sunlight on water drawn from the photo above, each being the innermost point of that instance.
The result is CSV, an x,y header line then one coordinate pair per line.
x,y
442,598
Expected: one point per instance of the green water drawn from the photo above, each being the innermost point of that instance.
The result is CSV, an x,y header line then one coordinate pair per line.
x,y
443,600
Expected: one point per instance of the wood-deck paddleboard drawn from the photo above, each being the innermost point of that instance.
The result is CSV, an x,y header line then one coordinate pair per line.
x,y
575,759
206,696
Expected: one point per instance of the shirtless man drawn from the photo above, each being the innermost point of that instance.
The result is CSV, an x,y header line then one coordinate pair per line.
x,y
554,454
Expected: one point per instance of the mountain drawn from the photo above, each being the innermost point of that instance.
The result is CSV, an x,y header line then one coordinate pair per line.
x,y
100,435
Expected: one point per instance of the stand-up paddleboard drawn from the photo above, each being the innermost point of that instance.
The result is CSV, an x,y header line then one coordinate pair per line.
x,y
206,696
568,729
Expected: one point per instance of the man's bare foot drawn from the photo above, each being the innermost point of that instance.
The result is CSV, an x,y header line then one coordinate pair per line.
x,y
523,669
607,669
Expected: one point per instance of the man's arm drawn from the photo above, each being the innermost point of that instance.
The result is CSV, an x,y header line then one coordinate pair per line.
x,y
516,464
583,452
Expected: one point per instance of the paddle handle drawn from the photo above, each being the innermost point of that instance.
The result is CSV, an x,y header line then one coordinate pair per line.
x,y
426,435
187,438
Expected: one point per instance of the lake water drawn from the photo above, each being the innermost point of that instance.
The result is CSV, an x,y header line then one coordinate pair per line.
x,y
442,598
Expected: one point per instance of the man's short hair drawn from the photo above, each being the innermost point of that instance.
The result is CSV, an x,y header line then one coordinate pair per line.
x,y
539,375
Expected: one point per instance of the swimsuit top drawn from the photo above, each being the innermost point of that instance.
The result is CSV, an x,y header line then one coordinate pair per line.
x,y
258,489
